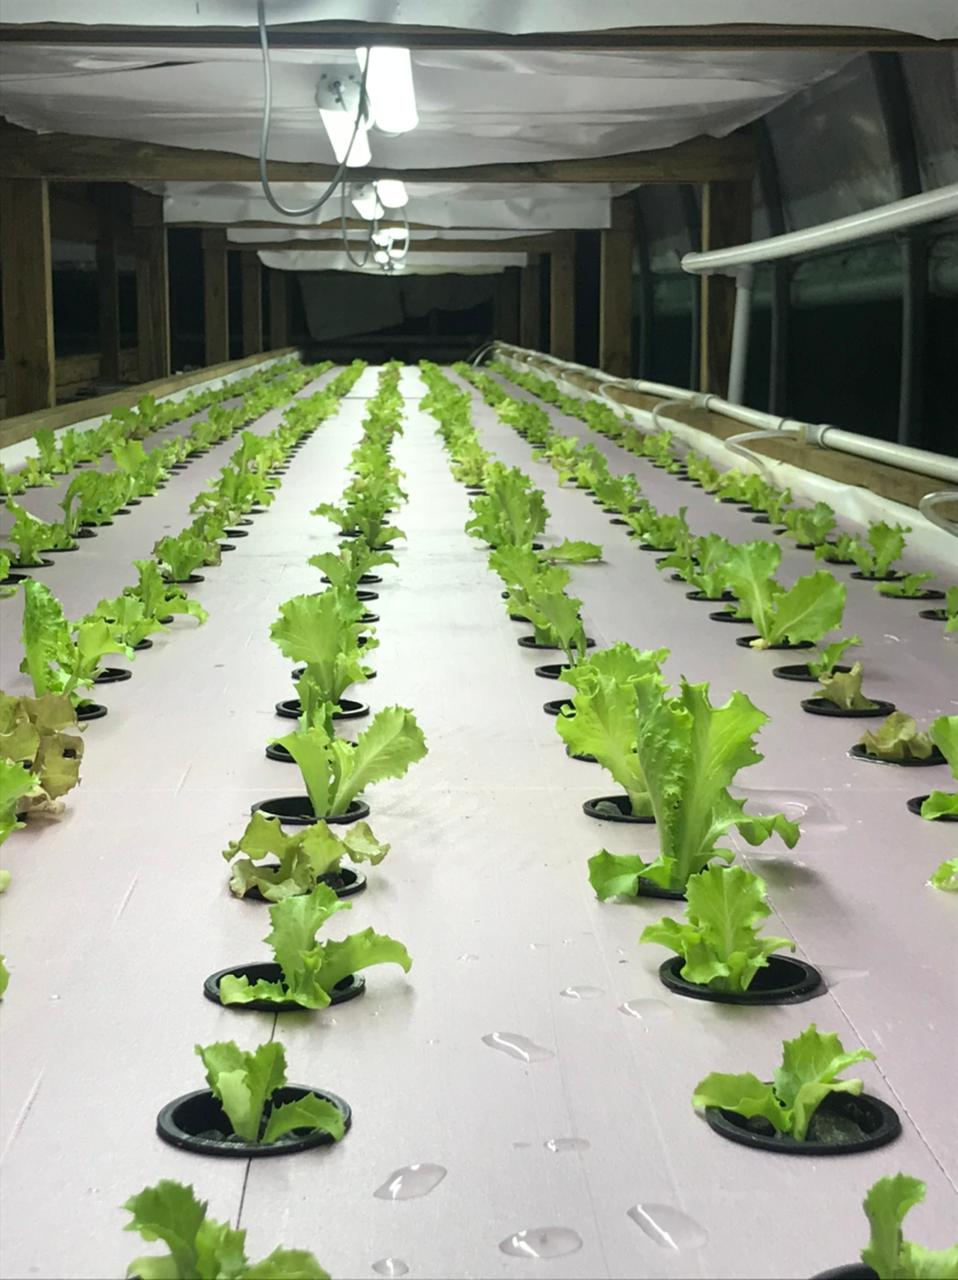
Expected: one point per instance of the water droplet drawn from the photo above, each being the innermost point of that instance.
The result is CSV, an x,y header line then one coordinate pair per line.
x,y
542,1242
517,1046
646,1010
390,1267
834,976
668,1226
581,993
467,957
410,1182
558,1145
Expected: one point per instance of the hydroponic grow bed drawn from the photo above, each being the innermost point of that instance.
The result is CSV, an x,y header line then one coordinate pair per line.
x,y
120,910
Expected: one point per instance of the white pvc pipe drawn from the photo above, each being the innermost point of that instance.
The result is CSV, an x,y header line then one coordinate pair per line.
x,y
930,206
741,322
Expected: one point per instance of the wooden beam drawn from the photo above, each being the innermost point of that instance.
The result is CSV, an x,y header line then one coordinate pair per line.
x,y
152,286
107,287
726,220
252,303
746,36
278,309
530,311
615,290
27,295
562,301
72,157
215,297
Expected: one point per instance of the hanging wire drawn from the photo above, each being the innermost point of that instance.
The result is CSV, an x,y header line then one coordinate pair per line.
x,y
342,225
264,131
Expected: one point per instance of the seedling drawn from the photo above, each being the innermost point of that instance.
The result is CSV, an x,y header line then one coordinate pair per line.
x,y
702,564
831,656
910,587
701,469
618,492
667,533
719,939
883,546
5,565
11,482
951,609
810,526
314,853
322,631
897,739
944,734
804,612
93,497
844,689
159,597
335,771
351,561
182,556
689,753
200,1246
243,1084
810,1066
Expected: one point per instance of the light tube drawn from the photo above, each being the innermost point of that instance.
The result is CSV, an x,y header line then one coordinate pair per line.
x,y
392,193
389,88
366,202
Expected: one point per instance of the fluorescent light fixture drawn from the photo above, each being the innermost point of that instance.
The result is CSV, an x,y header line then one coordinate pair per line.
x,y
389,88
366,201
338,100
392,193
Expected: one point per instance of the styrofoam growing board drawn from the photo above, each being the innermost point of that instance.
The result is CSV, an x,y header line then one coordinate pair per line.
x,y
486,884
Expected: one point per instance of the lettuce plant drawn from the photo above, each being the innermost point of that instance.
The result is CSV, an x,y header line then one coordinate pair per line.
x,y
512,512
831,656
243,1084
837,551
352,560
888,1253
303,859
129,620
200,1246
883,545
844,689
48,454
93,497
335,771
5,565
944,734
719,939
159,597
40,737
810,526
701,469
951,609
310,969
4,977
32,535
538,591
371,522
323,632
666,533
897,739
810,1066
619,493
946,876
35,475
689,753
16,784
909,587
702,564
183,555
571,551
731,484
11,482
805,611
58,657
604,722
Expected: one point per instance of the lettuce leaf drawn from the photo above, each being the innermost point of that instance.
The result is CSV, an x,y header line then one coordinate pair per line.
x,y
945,877
897,738
888,1253
844,689
944,734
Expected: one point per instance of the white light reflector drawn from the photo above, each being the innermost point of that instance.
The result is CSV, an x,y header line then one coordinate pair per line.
x,y
389,88
339,126
392,193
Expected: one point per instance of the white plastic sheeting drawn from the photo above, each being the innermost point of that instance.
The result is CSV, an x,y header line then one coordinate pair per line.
x,y
333,235
416,264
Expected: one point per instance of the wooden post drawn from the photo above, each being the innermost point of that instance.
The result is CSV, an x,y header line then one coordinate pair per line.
x,y
506,306
530,311
252,296
562,301
29,363
278,310
726,220
107,289
215,297
152,287
615,290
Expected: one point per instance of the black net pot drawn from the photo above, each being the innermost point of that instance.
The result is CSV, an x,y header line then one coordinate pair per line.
x,y
348,989
196,1122
646,888
876,577
929,593
552,670
584,756
112,675
851,1271
613,809
842,1125
618,520
42,563
92,524
725,598
559,707
12,579
244,521
799,671
298,811
345,883
933,615
142,645
59,551
190,580
914,806
518,617
237,533
90,711
226,546
726,615
530,642
822,707
86,531
784,980
349,709
858,752
745,642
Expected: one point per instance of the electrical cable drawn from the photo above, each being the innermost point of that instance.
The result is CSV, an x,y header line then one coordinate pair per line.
x,y
265,127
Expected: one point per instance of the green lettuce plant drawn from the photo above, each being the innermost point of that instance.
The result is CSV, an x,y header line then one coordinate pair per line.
x,y
837,550
322,631
719,940
618,493
701,469
48,453
183,554
951,609
805,611
93,498
335,771
844,689
665,532
537,591
571,551
811,1064
809,526
11,482
883,545
946,876
16,784
5,567
371,522
909,587
310,856
831,656
243,1084
888,1253
689,753
512,512
310,969
352,560
128,619
35,475
160,598
897,739
32,536
944,734
201,1246
60,657
702,564
40,737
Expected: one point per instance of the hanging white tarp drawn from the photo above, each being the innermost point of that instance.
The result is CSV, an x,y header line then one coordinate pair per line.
x,y
416,264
